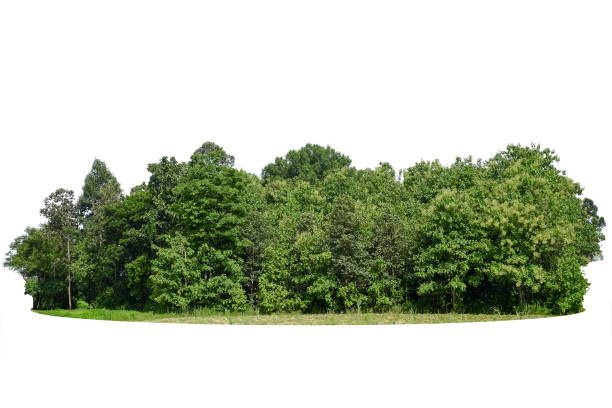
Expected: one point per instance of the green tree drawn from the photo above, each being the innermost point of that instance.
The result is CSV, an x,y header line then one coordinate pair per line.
x,y
448,257
211,207
310,163
542,232
98,177
180,282
164,178
130,230
211,153
39,258
98,267
257,232
348,248
62,221
175,270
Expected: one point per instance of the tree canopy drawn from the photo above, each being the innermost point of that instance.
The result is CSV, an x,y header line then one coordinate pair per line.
x,y
310,163
315,234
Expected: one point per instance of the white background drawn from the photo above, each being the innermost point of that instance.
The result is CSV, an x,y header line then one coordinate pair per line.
x,y
130,81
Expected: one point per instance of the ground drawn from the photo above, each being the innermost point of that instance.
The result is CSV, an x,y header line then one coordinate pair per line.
x,y
203,317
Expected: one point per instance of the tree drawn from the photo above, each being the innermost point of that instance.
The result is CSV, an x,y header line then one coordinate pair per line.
x,y
425,180
178,280
175,272
348,249
310,163
591,231
211,204
390,250
276,292
96,179
211,153
62,221
257,232
130,230
541,232
295,265
165,176
98,265
447,258
39,258
211,207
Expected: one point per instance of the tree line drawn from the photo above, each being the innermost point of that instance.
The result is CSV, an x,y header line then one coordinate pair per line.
x,y
314,234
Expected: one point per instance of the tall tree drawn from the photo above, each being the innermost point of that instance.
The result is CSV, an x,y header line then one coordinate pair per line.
x,y
129,229
62,220
164,178
447,259
348,247
211,207
211,202
96,179
98,264
39,257
541,232
257,232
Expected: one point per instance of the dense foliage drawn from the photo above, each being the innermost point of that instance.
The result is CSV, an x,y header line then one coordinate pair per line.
x,y
314,234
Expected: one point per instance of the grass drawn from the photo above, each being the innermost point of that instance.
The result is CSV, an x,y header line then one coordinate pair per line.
x,y
253,318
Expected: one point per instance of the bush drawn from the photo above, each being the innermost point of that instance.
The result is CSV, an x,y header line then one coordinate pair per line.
x,y
220,293
81,304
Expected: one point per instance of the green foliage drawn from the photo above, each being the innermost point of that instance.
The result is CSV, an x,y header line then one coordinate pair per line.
x,y
347,243
98,186
98,277
310,163
39,257
351,298
137,275
507,235
164,178
385,290
60,212
175,272
81,304
32,287
211,207
212,154
222,294
276,284
447,260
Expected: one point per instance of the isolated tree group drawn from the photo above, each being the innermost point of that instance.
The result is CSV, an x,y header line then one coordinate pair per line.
x,y
314,234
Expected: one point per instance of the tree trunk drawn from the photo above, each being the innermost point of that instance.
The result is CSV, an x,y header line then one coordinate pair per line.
x,y
185,257
69,278
252,277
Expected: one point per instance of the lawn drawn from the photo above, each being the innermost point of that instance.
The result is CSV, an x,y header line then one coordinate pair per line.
x,y
252,318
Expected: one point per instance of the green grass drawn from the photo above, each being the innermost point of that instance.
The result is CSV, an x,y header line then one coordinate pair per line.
x,y
250,318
